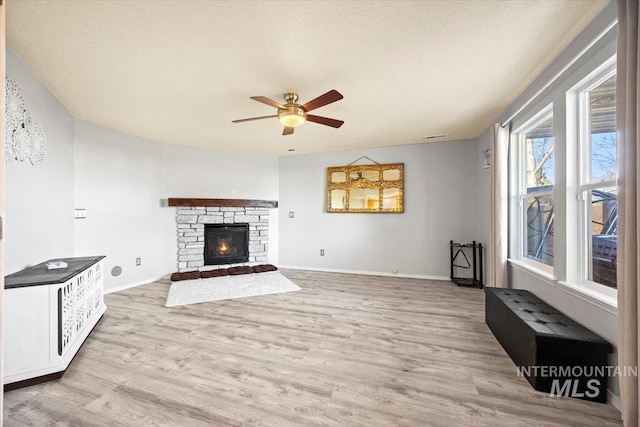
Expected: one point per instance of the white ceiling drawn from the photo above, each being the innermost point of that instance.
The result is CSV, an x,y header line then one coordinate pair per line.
x,y
180,71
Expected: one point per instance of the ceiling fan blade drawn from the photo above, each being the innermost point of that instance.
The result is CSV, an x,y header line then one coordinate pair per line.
x,y
287,130
253,118
268,101
329,97
325,121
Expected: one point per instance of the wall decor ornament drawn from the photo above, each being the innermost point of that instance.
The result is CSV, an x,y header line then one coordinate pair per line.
x,y
374,188
486,157
24,139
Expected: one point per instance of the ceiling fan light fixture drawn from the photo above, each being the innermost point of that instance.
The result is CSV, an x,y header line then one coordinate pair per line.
x,y
292,116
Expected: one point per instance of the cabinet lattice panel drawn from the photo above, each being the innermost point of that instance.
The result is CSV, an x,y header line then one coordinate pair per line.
x,y
66,316
80,299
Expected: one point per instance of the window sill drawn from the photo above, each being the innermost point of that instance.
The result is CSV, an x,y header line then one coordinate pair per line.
x,y
606,302
601,300
533,270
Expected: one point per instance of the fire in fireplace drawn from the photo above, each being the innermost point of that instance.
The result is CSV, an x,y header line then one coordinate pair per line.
x,y
226,243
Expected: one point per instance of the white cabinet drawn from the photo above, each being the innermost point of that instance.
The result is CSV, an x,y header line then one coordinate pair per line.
x,y
48,314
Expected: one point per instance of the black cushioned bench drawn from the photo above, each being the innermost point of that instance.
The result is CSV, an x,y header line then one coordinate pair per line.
x,y
534,334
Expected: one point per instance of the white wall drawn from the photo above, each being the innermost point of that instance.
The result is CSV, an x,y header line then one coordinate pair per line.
x,y
39,199
118,180
440,204
123,182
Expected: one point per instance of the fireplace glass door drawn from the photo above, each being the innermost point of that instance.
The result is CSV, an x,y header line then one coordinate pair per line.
x,y
226,243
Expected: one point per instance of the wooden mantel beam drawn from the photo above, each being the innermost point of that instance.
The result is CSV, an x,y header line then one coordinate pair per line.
x,y
223,203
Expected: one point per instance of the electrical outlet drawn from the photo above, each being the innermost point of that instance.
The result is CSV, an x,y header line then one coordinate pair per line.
x,y
292,214
321,252
138,262
80,213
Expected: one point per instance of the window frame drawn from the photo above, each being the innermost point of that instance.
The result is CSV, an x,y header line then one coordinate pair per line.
x,y
519,181
585,250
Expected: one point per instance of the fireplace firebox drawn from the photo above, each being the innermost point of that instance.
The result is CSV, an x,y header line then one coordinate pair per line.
x,y
226,243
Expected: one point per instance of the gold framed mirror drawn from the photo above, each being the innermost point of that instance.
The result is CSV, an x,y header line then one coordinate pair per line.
x,y
366,188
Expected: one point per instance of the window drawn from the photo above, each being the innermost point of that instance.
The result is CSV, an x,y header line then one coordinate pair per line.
x,y
598,187
563,189
535,177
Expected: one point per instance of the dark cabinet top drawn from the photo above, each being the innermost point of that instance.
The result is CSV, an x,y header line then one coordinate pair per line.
x,y
39,275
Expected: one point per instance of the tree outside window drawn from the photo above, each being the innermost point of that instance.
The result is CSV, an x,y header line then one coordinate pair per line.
x,y
537,199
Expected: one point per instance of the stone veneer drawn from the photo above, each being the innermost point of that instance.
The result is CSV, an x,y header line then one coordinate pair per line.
x,y
190,227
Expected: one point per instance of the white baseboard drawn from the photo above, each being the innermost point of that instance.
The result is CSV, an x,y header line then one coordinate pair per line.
x,y
132,285
613,400
367,273
328,270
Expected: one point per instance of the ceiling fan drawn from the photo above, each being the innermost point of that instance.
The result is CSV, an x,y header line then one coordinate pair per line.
x,y
292,114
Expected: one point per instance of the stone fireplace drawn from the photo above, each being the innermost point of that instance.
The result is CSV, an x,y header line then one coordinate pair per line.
x,y
195,218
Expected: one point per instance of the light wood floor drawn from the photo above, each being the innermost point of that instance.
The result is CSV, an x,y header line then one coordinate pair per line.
x,y
346,350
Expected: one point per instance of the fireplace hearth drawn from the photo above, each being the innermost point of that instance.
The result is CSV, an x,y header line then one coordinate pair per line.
x,y
226,243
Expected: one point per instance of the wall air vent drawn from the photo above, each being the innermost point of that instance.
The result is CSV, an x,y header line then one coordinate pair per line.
x,y
442,135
